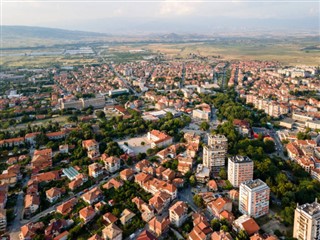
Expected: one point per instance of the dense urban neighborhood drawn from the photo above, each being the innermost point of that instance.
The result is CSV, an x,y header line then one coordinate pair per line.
x,y
193,148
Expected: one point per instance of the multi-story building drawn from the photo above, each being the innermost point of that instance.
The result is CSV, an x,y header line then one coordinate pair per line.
x,y
3,220
254,198
307,222
240,169
214,154
178,213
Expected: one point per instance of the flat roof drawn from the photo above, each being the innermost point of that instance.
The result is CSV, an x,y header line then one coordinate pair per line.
x,y
240,159
255,183
311,208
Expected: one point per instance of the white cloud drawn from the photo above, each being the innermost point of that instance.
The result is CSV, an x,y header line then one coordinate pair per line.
x,y
169,9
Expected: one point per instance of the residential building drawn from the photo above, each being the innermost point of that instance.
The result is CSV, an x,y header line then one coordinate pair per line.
x,y
307,221
219,205
254,198
112,164
159,225
246,224
126,216
159,139
240,169
112,232
3,220
53,194
95,170
178,213
87,214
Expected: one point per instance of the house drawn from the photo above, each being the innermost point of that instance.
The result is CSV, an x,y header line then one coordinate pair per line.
x,y
109,218
8,178
178,213
159,139
56,135
67,206
55,227
147,212
95,170
142,164
168,175
92,146
113,183
46,176
30,137
127,174
243,127
64,148
29,231
53,194
159,225
247,224
3,220
42,159
31,203
146,235
202,173
201,228
212,185
92,196
227,216
112,164
221,235
87,214
112,232
160,201
141,178
220,204
62,236
95,237
126,216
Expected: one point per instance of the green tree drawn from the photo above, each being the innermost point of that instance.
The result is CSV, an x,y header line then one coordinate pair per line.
x,y
204,126
198,201
215,224
193,181
223,173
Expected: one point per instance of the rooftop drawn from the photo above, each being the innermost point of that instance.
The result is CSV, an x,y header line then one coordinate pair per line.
x,y
254,183
311,208
240,159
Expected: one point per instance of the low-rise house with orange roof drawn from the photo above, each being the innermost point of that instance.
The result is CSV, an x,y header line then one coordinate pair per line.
x,y
55,227
159,139
146,235
12,142
62,236
112,232
258,236
127,174
159,171
112,164
53,194
92,147
8,178
212,185
87,214
95,170
113,183
56,135
142,164
126,216
95,237
92,196
178,213
46,176
29,231
227,216
221,235
31,203
159,225
247,224
201,228
109,218
160,201
67,206
42,159
30,137
168,175
141,178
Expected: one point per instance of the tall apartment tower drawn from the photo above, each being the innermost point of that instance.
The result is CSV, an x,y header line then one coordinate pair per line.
x,y
254,198
214,153
307,222
240,169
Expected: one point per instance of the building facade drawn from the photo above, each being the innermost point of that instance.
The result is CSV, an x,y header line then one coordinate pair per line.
x,y
240,169
307,222
254,198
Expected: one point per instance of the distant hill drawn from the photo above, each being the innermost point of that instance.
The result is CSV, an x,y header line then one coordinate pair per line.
x,y
25,32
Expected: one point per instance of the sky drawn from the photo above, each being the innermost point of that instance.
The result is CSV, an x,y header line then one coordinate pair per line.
x,y
161,16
